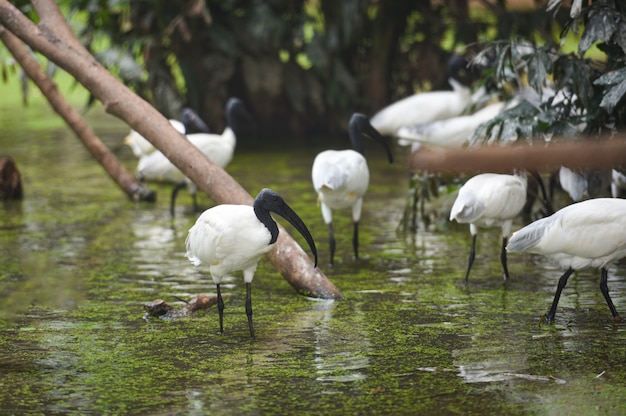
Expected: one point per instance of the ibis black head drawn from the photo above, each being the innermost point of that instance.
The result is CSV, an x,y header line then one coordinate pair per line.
x,y
238,118
269,201
192,122
360,127
459,69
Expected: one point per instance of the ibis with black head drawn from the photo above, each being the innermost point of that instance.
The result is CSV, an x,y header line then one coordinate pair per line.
x,y
428,106
341,178
229,238
218,148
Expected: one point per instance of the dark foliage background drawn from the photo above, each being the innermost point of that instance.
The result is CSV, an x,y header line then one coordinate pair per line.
x,y
304,66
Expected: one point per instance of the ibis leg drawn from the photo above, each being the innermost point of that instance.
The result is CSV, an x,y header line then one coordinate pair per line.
x,y
331,241
557,295
355,240
414,201
604,288
503,258
249,308
175,191
220,308
194,197
471,257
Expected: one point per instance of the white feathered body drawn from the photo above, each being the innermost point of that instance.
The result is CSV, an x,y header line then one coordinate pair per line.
x,y
141,146
618,183
589,233
422,108
155,167
489,200
573,183
228,238
218,148
340,178
450,132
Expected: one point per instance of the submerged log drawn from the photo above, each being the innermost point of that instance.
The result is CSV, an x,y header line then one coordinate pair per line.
x,y
10,179
53,38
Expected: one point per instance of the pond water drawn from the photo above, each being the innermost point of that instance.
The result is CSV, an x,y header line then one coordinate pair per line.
x,y
78,260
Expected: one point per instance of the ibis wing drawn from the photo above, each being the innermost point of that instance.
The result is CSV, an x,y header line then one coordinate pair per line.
x,y
227,238
529,236
592,229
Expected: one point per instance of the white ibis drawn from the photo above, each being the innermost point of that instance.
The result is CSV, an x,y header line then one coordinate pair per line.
x,y
230,238
572,182
618,183
219,148
451,132
586,183
141,146
341,178
584,234
490,200
190,122
428,106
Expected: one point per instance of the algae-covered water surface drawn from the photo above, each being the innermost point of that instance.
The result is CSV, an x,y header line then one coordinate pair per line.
x,y
78,260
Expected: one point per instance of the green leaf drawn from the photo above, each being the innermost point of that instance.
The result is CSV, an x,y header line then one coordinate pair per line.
x,y
620,36
602,24
611,78
613,96
538,68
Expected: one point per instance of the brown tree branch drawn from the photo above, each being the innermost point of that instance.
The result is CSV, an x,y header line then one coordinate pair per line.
x,y
539,157
53,38
126,181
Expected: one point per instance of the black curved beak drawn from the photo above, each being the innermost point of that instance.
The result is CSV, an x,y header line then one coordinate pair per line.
x,y
290,215
372,133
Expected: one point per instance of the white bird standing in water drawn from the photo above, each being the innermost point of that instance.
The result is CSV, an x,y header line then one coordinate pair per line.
x,y
452,132
427,106
586,183
490,200
230,238
190,123
219,148
591,233
141,146
341,178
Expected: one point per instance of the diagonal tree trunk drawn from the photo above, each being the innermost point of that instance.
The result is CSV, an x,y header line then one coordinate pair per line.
x,y
53,38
